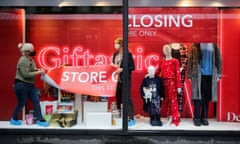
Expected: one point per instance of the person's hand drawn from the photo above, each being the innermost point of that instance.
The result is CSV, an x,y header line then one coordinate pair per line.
x,y
119,70
41,71
114,65
181,69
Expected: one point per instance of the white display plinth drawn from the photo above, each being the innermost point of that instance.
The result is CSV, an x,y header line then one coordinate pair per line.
x,y
118,122
78,107
98,119
94,107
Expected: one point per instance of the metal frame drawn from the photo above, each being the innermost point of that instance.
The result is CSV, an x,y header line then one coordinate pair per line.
x,y
125,5
184,3
131,3
60,3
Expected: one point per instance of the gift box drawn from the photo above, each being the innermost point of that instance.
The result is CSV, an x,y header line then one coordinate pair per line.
x,y
29,119
48,107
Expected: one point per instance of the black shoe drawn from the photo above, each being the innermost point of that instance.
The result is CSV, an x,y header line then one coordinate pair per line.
x,y
156,123
197,122
204,122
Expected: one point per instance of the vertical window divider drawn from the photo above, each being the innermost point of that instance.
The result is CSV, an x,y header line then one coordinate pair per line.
x,y
126,89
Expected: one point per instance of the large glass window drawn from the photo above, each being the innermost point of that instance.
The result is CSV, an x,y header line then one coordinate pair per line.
x,y
157,36
180,67
78,44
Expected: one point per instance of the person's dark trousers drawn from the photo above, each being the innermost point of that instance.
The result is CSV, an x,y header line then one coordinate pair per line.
x,y
201,106
119,98
23,91
129,101
130,108
119,95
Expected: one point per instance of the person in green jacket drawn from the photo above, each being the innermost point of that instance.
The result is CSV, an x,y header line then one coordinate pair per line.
x,y
24,87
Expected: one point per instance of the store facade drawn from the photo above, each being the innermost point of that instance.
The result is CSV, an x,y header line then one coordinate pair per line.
x,y
81,34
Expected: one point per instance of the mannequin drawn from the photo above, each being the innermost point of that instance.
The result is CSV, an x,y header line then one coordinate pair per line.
x,y
152,94
179,51
169,70
204,71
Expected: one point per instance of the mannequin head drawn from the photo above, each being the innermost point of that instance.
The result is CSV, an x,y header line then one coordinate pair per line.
x,y
167,51
151,71
118,43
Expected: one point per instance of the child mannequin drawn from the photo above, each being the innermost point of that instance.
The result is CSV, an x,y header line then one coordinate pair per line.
x,y
170,72
152,93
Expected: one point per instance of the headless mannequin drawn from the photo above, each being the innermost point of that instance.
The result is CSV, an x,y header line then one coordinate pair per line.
x,y
204,78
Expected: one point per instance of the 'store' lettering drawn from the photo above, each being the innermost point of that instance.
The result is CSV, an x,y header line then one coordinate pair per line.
x,y
85,77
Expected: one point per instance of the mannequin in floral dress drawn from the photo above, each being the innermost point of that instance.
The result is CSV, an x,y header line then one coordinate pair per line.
x,y
180,52
169,71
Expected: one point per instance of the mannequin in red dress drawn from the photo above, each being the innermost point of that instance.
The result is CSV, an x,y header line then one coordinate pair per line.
x,y
169,70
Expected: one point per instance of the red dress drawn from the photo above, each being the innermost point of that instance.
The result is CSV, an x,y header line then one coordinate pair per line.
x,y
169,70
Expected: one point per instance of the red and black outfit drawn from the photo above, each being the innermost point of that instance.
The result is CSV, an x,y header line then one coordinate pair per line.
x,y
170,72
181,55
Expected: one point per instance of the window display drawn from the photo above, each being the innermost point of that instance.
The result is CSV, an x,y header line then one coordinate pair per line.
x,y
76,50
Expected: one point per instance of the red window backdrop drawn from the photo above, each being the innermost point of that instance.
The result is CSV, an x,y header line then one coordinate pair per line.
x,y
91,38
11,31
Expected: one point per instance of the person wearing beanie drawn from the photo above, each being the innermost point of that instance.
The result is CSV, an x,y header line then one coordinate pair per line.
x,y
24,88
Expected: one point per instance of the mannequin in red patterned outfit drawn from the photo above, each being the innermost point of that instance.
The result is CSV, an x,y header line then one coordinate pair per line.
x,y
169,70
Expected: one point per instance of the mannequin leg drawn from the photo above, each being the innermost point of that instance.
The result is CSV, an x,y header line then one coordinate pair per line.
x,y
206,92
171,95
197,110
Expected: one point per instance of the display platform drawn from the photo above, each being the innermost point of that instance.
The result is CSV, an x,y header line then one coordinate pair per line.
x,y
186,124
141,133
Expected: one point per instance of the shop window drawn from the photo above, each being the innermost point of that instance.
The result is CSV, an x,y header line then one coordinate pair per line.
x,y
76,42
